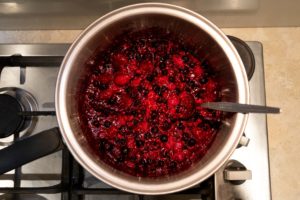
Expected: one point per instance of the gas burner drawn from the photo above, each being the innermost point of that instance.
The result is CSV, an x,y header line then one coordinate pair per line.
x,y
246,55
13,101
11,121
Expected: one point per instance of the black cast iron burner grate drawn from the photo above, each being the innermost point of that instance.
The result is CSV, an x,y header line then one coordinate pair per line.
x,y
71,184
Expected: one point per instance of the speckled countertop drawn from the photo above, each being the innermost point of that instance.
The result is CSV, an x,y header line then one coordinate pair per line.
x,y
282,73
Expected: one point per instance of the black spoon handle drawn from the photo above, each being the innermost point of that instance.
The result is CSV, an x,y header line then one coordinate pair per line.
x,y
29,149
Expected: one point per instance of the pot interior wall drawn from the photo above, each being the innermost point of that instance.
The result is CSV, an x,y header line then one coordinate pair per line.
x,y
194,36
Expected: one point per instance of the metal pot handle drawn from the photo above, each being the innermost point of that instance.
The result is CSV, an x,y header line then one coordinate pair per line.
x,y
29,149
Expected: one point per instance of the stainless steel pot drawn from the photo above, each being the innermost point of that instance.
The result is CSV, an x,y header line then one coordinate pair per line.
x,y
197,31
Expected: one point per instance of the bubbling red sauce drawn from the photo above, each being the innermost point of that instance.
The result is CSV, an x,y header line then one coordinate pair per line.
x,y
138,104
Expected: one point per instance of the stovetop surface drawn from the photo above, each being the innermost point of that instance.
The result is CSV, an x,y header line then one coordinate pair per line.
x,y
44,172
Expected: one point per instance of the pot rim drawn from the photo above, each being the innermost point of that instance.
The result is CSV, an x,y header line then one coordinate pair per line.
x,y
90,164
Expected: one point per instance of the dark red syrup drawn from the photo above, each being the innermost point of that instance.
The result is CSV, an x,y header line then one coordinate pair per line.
x,y
138,104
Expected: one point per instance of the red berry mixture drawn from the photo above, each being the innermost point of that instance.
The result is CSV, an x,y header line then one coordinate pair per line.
x,y
139,104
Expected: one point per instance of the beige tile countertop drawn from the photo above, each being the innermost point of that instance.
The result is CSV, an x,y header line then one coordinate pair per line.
x,y
282,72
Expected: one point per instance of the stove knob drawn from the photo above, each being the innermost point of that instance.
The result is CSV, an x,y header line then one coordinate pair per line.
x,y
236,173
244,141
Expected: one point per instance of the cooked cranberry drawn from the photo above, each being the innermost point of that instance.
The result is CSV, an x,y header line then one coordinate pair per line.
x,y
187,89
140,88
139,143
144,163
162,65
162,59
199,93
123,129
177,90
109,146
108,65
165,154
192,84
145,92
154,129
164,88
203,126
213,124
161,100
96,71
150,78
171,79
121,141
101,86
203,80
133,158
96,106
191,142
185,58
107,124
128,90
138,57
135,121
113,100
102,145
205,64
185,137
163,138
156,89
134,112
180,126
104,112
96,123
186,48
120,159
185,71
155,44
166,125
91,95
160,163
173,165
136,102
164,72
154,143
196,116
133,94
142,111
147,135
172,119
192,65
183,78
124,150
154,114
178,109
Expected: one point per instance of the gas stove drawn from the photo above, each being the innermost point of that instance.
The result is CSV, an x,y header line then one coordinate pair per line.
x,y
29,73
